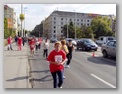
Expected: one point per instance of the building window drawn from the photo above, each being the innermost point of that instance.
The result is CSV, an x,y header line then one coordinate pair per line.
x,y
54,26
61,27
87,24
54,18
81,20
54,31
61,18
70,19
61,31
87,20
61,23
77,23
77,19
81,24
54,22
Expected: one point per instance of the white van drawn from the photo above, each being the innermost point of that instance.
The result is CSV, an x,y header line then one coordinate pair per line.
x,y
104,39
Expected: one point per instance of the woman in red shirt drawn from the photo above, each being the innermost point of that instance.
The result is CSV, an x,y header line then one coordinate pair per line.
x,y
19,40
57,58
32,46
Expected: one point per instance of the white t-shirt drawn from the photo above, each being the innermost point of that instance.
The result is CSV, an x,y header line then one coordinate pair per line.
x,y
46,45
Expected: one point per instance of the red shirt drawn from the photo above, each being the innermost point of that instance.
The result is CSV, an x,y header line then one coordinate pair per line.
x,y
40,40
19,40
9,40
32,43
56,56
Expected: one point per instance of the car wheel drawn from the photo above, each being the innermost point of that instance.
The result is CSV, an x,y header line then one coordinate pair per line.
x,y
105,55
77,48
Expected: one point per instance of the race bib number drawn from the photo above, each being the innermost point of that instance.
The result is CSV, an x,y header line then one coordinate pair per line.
x,y
58,58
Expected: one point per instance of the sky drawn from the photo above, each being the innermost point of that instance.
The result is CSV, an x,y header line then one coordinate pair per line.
x,y
35,13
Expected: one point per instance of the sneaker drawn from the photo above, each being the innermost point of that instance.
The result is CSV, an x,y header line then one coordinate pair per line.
x,y
60,87
67,66
64,77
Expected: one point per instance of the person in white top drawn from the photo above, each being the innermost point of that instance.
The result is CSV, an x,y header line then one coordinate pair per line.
x,y
45,50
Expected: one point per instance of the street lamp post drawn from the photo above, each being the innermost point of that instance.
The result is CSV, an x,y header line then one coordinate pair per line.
x,y
24,22
67,28
21,20
75,24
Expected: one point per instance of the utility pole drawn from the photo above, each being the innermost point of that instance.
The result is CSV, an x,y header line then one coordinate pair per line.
x,y
67,29
75,24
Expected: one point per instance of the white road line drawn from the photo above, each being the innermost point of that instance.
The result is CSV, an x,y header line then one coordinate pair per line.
x,y
103,81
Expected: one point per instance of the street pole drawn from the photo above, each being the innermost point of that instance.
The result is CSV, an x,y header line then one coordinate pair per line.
x,y
21,21
67,28
75,24
24,21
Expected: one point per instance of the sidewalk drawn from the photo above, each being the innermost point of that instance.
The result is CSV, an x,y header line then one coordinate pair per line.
x,y
15,67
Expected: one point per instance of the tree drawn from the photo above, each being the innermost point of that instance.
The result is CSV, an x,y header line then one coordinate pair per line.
x,y
100,26
71,33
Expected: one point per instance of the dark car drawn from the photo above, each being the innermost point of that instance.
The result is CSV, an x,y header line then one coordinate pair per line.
x,y
53,40
86,44
109,49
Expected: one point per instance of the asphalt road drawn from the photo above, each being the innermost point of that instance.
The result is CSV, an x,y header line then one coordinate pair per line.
x,y
85,71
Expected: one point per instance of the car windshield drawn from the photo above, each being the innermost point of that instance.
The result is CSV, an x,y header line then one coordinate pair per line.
x,y
110,38
89,41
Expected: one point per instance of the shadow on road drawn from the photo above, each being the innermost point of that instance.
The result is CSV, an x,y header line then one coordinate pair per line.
x,y
46,71
18,78
99,60
43,79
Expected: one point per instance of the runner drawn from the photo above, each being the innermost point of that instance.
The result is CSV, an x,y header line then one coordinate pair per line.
x,y
32,46
57,58
9,40
45,50
19,41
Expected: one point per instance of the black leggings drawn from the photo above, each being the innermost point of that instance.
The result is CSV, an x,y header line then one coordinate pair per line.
x,y
69,57
45,53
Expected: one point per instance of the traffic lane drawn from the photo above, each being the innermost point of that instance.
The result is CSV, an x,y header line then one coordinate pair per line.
x,y
40,71
73,72
96,65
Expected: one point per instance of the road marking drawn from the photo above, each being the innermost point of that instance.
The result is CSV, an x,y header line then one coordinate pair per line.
x,y
103,81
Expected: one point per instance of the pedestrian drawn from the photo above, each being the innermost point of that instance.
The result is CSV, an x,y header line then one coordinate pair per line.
x,y
9,41
37,44
15,38
32,46
69,55
45,50
40,42
65,49
23,41
19,42
57,58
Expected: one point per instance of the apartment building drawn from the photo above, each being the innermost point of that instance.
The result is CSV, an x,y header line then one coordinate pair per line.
x,y
54,23
11,17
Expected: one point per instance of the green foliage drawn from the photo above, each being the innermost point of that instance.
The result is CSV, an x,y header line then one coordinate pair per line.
x,y
101,26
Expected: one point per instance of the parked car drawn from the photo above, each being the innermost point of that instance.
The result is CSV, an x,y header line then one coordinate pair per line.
x,y
73,41
86,44
53,40
109,49
104,39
